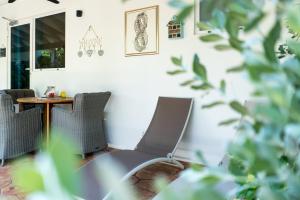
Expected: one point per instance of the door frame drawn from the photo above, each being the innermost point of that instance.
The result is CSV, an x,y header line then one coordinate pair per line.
x,y
20,23
31,20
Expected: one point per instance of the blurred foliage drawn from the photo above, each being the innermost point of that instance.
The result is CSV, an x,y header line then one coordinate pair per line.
x,y
264,159
52,174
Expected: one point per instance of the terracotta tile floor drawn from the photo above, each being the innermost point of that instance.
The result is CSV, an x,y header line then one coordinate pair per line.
x,y
142,180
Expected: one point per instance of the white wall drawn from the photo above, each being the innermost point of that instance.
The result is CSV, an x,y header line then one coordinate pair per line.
x,y
136,82
3,61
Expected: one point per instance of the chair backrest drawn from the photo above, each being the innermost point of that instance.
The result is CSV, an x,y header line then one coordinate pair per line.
x,y
6,105
91,103
19,93
167,126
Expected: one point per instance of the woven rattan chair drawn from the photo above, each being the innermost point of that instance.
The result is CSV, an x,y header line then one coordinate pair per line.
x,y
83,124
19,132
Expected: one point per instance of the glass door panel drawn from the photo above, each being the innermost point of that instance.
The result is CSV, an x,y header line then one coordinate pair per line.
x,y
20,57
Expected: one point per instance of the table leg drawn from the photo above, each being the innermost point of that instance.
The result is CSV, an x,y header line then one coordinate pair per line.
x,y
49,122
46,122
21,107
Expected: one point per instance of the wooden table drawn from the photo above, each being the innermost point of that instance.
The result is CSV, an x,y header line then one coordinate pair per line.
x,y
48,104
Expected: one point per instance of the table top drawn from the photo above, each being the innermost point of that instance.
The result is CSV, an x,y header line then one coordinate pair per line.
x,y
37,100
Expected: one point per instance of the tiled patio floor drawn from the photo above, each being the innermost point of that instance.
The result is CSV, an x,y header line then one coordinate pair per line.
x,y
142,180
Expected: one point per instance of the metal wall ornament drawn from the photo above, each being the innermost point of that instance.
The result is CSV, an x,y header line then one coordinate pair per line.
x,y
140,27
90,43
175,29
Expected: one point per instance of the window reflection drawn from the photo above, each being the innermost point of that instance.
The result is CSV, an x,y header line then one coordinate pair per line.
x,y
50,42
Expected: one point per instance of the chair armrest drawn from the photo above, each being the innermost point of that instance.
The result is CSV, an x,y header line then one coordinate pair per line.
x,y
29,122
34,113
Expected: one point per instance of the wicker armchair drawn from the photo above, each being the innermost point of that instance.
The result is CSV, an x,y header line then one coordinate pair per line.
x,y
19,132
19,93
84,124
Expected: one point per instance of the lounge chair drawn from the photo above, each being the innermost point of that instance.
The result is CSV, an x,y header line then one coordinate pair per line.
x,y
157,145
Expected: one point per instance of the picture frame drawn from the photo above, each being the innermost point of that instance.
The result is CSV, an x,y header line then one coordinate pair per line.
x,y
142,31
197,18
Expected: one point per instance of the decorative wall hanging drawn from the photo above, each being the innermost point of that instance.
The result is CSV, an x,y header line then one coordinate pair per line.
x,y
91,43
141,31
175,29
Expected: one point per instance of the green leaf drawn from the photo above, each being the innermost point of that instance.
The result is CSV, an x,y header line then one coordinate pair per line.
x,y
236,166
211,180
222,47
293,19
66,163
235,69
175,72
228,122
203,26
218,19
197,167
176,61
294,46
188,82
253,23
266,192
214,104
232,26
185,12
223,86
199,69
211,38
210,193
204,86
238,107
27,177
236,43
270,42
270,114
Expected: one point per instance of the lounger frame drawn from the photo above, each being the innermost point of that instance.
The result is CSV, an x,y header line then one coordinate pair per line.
x,y
169,159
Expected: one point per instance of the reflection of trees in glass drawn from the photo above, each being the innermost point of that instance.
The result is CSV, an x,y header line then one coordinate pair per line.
x,y
50,41
51,58
209,7
20,59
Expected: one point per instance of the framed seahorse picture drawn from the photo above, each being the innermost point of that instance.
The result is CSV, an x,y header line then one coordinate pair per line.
x,y
142,31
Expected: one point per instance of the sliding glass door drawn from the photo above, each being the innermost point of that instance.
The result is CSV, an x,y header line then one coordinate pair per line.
x,y
20,57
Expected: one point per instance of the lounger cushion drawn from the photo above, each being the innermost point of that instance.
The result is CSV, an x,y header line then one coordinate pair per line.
x,y
129,159
167,126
